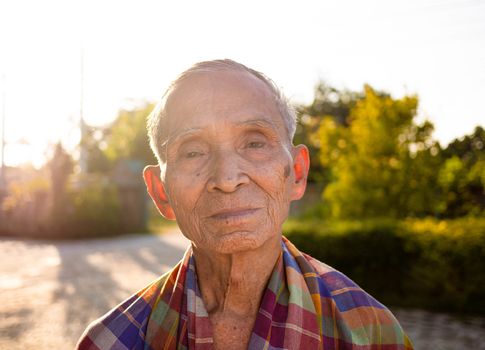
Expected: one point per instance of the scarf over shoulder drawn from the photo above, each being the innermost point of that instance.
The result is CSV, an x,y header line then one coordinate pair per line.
x,y
306,305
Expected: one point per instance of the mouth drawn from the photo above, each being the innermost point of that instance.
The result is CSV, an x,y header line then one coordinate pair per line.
x,y
235,213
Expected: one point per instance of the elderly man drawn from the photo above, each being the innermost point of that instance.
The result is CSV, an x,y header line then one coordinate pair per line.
x,y
227,173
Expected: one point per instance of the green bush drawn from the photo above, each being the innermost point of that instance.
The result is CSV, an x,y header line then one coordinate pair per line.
x,y
423,263
95,211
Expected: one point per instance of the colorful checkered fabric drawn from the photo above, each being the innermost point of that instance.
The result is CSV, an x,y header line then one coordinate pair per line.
x,y
306,305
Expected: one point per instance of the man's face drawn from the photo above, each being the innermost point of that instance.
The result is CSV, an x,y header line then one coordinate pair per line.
x,y
229,166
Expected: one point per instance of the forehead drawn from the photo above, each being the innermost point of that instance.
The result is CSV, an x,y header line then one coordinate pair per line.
x,y
208,98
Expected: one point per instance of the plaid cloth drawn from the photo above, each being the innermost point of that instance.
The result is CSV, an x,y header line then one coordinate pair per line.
x,y
306,305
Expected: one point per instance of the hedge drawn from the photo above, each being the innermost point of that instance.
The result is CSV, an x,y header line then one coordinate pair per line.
x,y
95,212
425,263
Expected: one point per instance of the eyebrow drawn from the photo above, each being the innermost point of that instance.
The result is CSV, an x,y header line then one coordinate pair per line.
x,y
179,135
261,123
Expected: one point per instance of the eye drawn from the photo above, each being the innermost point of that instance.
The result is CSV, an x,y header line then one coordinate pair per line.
x,y
255,144
191,149
193,154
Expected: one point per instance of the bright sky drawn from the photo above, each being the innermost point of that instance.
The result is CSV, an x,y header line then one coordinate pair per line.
x,y
132,49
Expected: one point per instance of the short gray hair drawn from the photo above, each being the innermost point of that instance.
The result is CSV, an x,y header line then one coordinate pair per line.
x,y
158,115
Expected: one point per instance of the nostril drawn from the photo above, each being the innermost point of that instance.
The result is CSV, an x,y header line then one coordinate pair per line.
x,y
227,183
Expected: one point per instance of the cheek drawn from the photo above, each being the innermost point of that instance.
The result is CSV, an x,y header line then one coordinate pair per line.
x,y
184,196
274,178
184,190
277,170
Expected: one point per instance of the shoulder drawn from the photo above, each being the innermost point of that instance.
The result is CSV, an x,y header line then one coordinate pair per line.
x,y
344,292
123,326
358,317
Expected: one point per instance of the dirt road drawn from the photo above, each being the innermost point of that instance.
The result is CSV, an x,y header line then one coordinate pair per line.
x,y
50,291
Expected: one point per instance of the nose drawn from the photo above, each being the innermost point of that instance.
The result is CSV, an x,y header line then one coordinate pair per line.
x,y
226,174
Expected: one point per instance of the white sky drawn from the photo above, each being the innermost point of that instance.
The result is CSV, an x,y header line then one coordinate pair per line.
x,y
133,49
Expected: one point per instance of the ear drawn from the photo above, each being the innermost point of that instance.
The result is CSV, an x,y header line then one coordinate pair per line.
x,y
301,166
156,189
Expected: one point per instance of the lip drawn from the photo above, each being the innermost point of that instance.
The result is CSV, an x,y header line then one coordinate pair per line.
x,y
233,213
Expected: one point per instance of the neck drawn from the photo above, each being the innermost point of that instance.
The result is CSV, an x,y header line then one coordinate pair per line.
x,y
233,284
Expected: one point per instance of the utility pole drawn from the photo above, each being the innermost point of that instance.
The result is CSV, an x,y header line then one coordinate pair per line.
x,y
83,166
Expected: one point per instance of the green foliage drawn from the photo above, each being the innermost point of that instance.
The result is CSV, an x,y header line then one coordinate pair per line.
x,y
127,137
60,167
382,164
469,148
21,193
423,263
451,262
95,211
94,144
374,160
24,210
462,176
88,208
328,102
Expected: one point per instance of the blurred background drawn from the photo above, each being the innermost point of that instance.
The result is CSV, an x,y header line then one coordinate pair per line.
x,y
389,97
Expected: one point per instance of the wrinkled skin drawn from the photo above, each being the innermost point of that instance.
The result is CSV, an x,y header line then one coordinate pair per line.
x,y
229,177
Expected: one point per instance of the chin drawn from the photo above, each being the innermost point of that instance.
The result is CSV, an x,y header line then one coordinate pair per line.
x,y
240,241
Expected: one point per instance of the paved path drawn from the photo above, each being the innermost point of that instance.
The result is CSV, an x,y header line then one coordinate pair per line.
x,y
50,291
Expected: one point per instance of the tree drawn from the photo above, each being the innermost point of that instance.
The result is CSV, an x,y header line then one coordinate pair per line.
x,y
328,102
462,177
470,148
127,137
60,167
94,144
382,164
